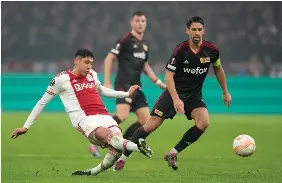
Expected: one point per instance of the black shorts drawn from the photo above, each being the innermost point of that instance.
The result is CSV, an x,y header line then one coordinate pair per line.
x,y
164,108
136,102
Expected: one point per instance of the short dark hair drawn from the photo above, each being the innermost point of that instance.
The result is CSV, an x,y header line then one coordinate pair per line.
x,y
137,13
84,53
194,19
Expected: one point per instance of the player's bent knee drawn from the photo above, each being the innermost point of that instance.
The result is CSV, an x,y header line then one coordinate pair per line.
x,y
143,120
143,115
123,111
101,134
153,123
202,123
201,117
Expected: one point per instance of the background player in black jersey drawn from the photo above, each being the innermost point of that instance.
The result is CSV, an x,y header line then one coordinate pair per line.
x,y
131,51
185,75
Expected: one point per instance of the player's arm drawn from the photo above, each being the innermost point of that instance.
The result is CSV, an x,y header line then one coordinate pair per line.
x,y
38,108
108,68
112,55
151,74
169,80
171,67
107,92
221,78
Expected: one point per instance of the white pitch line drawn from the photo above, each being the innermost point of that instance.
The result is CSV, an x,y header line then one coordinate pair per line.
x,y
51,156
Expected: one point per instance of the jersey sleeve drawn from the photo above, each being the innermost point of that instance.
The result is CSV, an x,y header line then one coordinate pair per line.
x,y
107,92
54,87
117,48
96,79
146,48
173,62
38,108
216,61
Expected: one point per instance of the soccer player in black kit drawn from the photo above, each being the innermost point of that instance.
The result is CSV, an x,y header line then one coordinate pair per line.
x,y
186,71
131,51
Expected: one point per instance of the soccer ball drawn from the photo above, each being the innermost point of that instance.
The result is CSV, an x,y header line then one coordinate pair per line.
x,y
244,145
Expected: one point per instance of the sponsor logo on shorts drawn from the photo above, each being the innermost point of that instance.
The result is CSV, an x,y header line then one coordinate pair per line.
x,y
158,112
129,100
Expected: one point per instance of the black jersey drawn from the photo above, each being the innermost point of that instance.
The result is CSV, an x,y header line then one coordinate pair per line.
x,y
132,55
191,68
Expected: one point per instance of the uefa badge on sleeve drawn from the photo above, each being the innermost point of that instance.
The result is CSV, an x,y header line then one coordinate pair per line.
x,y
145,47
52,83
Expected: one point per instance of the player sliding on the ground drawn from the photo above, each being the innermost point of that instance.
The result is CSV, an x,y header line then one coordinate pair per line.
x,y
79,91
132,53
185,75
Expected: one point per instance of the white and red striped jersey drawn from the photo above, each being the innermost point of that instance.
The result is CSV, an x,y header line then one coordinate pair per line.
x,y
80,96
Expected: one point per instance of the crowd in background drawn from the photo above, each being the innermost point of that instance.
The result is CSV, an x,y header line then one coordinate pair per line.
x,y
43,36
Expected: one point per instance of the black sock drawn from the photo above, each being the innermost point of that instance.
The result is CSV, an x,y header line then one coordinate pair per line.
x,y
139,133
130,130
189,138
117,119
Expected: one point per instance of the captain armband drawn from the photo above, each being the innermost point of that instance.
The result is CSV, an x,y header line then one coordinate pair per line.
x,y
217,63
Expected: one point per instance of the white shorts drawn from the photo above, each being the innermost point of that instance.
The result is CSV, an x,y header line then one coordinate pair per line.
x,y
93,122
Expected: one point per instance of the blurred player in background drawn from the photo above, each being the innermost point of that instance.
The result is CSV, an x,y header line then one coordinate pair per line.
x,y
131,51
79,91
186,71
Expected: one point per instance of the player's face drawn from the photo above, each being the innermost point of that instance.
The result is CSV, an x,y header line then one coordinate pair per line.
x,y
139,23
196,32
84,65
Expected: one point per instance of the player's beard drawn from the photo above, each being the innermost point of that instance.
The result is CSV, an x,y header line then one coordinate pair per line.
x,y
196,40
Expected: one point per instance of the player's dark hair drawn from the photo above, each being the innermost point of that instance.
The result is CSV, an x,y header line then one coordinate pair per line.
x,y
194,19
138,14
84,53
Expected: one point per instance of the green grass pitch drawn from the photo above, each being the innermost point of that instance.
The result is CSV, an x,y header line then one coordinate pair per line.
x,y
52,149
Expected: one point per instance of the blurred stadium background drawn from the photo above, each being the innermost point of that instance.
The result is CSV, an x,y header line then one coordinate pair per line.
x,y
39,39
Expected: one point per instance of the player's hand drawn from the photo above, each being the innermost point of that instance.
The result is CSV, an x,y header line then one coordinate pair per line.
x,y
108,85
133,89
178,105
18,132
162,86
226,97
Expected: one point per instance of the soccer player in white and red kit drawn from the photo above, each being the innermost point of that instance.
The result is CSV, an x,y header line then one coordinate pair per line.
x,y
80,90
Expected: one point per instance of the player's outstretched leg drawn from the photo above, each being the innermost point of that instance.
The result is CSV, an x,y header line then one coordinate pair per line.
x,y
152,124
107,162
130,130
142,112
114,138
201,117
118,142
122,114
